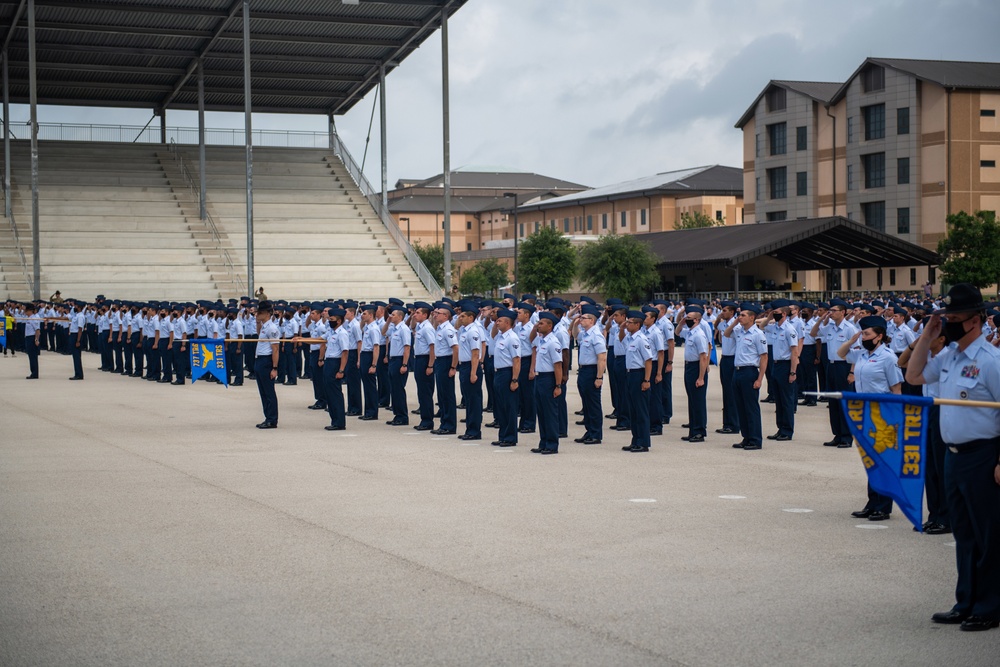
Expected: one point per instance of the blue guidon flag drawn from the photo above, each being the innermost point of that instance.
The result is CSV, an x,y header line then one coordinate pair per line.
x,y
891,432
208,356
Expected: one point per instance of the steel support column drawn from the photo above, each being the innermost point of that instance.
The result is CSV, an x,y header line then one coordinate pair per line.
x,y
382,127
163,126
202,182
6,135
446,144
33,98
248,129
331,132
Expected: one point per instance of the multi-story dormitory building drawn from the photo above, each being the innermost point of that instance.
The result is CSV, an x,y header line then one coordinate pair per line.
x,y
897,147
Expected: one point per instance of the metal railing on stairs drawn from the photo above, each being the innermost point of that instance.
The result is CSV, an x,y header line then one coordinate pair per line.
x,y
195,191
28,279
375,199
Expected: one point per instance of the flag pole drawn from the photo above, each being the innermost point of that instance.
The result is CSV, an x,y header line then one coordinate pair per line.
x,y
937,401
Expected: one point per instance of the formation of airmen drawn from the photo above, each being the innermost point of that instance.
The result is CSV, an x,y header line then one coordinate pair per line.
x,y
512,359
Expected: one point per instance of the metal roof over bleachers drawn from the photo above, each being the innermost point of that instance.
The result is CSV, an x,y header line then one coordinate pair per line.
x,y
307,56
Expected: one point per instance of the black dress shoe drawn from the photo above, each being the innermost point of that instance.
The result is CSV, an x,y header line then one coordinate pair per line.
x,y
581,423
461,406
317,406
621,428
694,438
726,431
507,444
627,448
564,435
492,425
496,443
31,377
773,436
352,413
536,450
368,418
553,451
266,425
937,529
783,438
977,624
578,412
76,377
750,448
879,516
396,422
665,420
525,430
845,445
442,432
177,383
862,514
767,400
333,428
611,416
591,441
638,449
832,443
162,381
949,617
739,445
424,427
415,412
658,431
580,440
466,436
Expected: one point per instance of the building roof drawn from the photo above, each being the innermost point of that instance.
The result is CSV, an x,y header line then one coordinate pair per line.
x,y
459,204
945,73
819,243
499,180
713,179
308,56
821,91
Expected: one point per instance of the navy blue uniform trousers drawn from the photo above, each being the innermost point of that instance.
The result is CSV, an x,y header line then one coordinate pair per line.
x,y
265,386
746,400
473,393
730,415
446,393
697,407
397,390
369,385
638,407
505,404
590,396
425,389
547,410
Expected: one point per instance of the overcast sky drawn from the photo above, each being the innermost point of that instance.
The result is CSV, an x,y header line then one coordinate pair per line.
x,y
601,91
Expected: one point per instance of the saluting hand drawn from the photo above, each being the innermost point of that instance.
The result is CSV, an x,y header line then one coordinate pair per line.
x,y
933,328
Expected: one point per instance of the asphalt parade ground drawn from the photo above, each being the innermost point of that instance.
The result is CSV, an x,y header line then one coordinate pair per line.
x,y
148,524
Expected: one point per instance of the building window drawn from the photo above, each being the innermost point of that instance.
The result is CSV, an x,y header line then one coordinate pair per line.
x,y
903,120
902,220
756,147
858,281
604,220
777,179
776,99
892,277
642,217
801,182
902,170
987,113
522,229
874,214
850,129
566,225
873,79
874,166
987,163
777,138
777,216
552,224
468,224
468,246
874,117
850,177
538,225
624,218
913,277
757,188
718,216
590,223
801,143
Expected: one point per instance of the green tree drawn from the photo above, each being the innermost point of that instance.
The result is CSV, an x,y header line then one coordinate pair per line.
x,y
970,253
619,265
546,263
433,258
473,281
697,220
495,272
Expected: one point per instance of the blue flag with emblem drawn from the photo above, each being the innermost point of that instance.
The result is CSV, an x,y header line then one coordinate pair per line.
x,y
3,331
891,432
209,356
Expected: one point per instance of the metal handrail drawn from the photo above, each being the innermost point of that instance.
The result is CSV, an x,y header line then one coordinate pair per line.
x,y
212,227
375,199
181,135
28,279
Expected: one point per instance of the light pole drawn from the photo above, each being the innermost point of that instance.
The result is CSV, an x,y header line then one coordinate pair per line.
x,y
407,228
516,233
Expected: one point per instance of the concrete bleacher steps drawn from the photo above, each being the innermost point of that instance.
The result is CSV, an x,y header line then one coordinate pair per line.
x,y
121,219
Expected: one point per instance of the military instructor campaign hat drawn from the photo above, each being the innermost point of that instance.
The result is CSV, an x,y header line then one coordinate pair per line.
x,y
963,298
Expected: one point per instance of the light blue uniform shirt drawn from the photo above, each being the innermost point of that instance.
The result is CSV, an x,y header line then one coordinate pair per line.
x,y
901,338
750,344
784,337
875,372
695,343
267,330
728,344
667,328
444,338
337,342
470,337
834,336
591,343
506,347
370,337
973,375
523,332
401,337
423,339
637,350
655,337
548,354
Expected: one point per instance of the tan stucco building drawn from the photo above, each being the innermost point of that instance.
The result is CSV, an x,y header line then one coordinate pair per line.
x,y
898,146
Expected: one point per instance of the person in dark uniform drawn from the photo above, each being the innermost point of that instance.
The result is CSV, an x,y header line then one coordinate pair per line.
x,y
546,371
423,364
77,328
400,348
333,357
834,329
784,339
266,363
526,385
593,357
445,368
234,348
470,345
638,379
749,368
32,338
371,349
696,350
968,369
727,350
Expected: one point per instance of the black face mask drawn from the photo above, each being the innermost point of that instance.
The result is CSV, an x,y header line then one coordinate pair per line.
x,y
690,323
868,344
778,316
953,331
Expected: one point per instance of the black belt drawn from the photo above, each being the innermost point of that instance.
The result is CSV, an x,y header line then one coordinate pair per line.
x,y
838,362
973,445
741,368
588,366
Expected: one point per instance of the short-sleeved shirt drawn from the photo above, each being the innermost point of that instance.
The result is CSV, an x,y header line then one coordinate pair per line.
x,y
337,342
728,344
469,338
370,337
970,375
750,345
423,338
548,352
834,336
401,338
784,337
875,372
902,337
638,350
696,343
591,343
445,337
506,348
523,332
267,330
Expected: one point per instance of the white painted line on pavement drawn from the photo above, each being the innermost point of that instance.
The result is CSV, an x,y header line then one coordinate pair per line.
x,y
871,527
642,500
796,510
733,497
